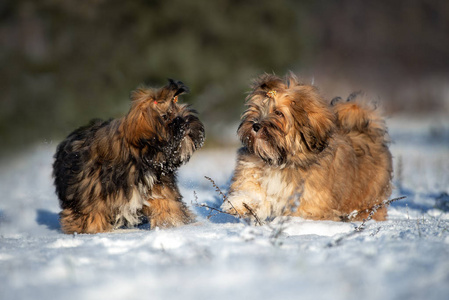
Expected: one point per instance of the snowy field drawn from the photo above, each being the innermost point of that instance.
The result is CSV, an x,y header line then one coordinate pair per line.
x,y
406,257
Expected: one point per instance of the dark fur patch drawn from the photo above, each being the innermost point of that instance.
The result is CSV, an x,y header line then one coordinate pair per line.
x,y
99,167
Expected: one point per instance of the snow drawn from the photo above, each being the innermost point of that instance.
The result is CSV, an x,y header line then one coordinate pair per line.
x,y
406,257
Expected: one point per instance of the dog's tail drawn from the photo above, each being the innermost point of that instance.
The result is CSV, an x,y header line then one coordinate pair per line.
x,y
359,116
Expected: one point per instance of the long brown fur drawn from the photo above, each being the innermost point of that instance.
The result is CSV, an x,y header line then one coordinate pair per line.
x,y
120,172
303,157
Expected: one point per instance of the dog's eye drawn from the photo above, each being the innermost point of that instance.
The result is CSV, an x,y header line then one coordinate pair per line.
x,y
164,117
278,113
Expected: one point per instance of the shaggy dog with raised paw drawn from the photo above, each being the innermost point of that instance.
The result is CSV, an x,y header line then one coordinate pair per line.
x,y
121,172
304,157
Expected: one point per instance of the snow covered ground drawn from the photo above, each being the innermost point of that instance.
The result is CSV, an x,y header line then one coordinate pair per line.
x,y
406,257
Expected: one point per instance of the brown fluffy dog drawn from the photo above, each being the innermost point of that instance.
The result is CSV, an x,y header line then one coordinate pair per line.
x,y
303,157
116,173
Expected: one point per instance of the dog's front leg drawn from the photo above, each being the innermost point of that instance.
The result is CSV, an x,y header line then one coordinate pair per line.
x,y
246,197
165,208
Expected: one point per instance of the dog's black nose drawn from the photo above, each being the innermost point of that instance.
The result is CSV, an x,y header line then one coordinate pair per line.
x,y
256,127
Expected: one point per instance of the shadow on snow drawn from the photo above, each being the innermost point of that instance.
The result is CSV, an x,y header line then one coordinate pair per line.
x,y
49,219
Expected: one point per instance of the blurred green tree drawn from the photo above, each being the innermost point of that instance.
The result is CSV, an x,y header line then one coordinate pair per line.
x,y
65,62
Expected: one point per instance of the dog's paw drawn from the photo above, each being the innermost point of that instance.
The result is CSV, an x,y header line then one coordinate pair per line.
x,y
236,205
228,208
170,221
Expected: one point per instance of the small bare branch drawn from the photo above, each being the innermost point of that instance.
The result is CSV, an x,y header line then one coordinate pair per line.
x,y
251,211
224,197
214,209
374,209
217,189
204,205
362,226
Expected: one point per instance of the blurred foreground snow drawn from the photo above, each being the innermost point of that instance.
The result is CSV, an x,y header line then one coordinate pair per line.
x,y
406,257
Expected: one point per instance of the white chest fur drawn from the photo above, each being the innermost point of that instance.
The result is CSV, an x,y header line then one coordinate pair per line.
x,y
129,214
280,190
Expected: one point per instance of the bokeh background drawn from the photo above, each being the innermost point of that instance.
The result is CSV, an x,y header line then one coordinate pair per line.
x,y
64,62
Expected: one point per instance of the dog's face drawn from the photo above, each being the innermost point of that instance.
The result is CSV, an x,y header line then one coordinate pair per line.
x,y
285,123
157,118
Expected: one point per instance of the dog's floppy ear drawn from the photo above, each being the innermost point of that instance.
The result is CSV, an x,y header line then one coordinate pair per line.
x,y
313,119
177,87
167,93
316,131
171,91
